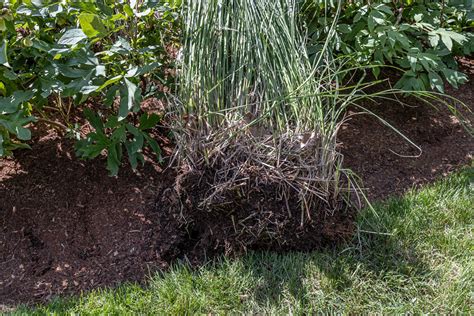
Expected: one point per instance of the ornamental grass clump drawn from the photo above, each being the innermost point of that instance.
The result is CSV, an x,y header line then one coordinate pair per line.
x,y
256,134
256,112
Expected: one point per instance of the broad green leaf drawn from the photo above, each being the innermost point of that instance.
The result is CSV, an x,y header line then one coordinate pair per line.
x,y
384,8
114,158
112,122
138,139
128,93
344,28
375,18
24,10
457,37
100,70
92,146
72,37
119,135
88,89
376,72
413,61
436,81
94,120
132,156
3,54
144,13
434,40
110,96
91,25
454,77
446,39
72,72
154,146
148,121
10,75
128,10
139,71
109,82
10,104
23,133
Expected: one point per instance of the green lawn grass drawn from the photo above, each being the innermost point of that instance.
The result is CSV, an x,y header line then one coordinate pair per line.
x,y
413,254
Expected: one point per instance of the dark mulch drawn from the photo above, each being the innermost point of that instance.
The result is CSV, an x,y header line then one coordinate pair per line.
x,y
67,227
376,153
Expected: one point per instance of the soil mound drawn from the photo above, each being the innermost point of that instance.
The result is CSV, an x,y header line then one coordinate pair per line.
x,y
260,219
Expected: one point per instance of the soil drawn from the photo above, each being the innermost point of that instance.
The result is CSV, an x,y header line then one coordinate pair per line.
x,y
388,164
67,227
250,217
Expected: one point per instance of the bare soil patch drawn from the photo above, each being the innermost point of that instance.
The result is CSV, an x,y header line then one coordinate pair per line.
x,y
67,227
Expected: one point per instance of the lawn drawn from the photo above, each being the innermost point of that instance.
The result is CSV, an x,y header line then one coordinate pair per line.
x,y
412,254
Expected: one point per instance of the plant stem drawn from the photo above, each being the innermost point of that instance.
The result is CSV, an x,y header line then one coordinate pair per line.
x,y
57,124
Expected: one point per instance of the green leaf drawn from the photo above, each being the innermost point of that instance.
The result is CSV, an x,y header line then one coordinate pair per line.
x,y
436,81
94,120
88,89
132,156
72,37
110,96
3,54
128,10
119,135
457,37
454,77
434,40
447,41
72,72
128,97
376,72
10,104
113,158
109,82
375,18
139,71
23,133
344,28
10,75
2,151
92,146
384,8
91,25
148,121
154,146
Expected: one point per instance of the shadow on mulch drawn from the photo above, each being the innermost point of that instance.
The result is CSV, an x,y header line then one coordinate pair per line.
x,y
67,227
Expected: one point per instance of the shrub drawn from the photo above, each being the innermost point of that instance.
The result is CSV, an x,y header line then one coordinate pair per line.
x,y
58,54
420,37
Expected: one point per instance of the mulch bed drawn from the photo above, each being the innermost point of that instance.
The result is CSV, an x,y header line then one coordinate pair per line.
x,y
67,227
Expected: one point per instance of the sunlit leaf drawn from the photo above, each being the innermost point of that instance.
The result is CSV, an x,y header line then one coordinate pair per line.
x,y
72,37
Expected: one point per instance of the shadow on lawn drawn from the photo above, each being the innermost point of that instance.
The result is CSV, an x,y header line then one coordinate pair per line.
x,y
371,257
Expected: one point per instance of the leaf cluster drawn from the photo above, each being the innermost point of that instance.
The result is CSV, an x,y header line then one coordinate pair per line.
x,y
419,37
74,52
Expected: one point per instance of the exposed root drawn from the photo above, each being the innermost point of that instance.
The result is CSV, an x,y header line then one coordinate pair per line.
x,y
267,192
